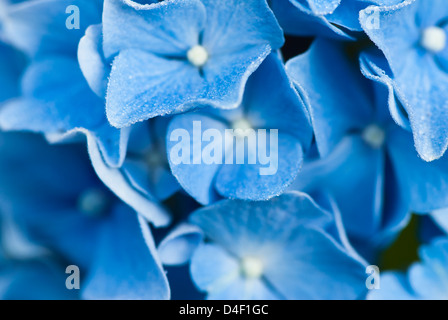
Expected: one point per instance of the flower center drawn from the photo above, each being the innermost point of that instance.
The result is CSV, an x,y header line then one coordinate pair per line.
x,y
252,267
241,127
197,56
433,39
153,159
374,136
93,202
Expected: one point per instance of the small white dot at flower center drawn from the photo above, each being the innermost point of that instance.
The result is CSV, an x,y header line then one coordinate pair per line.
x,y
433,39
93,202
252,267
241,127
197,56
374,136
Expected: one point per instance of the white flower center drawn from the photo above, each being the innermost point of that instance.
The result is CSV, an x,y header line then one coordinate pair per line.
x,y
252,267
374,136
433,39
93,202
198,56
241,128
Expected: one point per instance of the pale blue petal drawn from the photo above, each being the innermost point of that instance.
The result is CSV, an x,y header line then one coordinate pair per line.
x,y
166,28
178,246
91,60
441,218
393,286
213,269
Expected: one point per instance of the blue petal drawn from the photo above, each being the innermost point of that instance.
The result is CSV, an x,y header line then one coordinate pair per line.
x,y
319,7
352,167
213,269
216,272
296,21
308,272
374,66
112,142
425,185
146,162
130,193
91,60
126,265
181,83
281,108
226,19
441,218
188,174
34,280
53,100
347,14
166,28
50,216
241,226
64,230
246,181
39,27
178,246
325,68
154,86
393,286
157,181
430,278
50,168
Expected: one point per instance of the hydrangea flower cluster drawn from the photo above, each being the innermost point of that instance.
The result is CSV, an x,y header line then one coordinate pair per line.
x,y
223,149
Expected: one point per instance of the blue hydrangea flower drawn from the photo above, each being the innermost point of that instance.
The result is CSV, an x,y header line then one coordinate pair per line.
x,y
272,250
261,108
328,18
56,97
174,55
425,280
361,150
413,38
60,204
144,178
